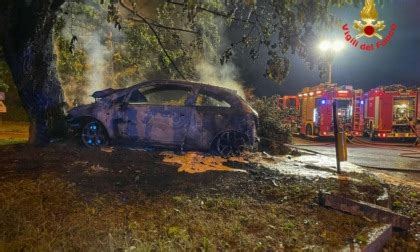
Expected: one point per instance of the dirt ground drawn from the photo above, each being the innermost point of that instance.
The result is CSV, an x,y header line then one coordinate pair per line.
x,y
64,197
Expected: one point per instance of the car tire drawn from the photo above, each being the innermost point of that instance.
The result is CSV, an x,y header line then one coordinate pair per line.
x,y
231,143
93,134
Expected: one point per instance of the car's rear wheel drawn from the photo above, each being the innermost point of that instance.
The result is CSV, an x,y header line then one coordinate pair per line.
x,y
94,135
231,143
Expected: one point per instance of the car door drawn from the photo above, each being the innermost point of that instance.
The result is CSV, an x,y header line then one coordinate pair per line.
x,y
212,114
158,115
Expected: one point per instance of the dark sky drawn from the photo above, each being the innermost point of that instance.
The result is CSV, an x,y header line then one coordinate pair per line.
x,y
398,62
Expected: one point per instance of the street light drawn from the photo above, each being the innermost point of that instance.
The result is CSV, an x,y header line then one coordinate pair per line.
x,y
330,48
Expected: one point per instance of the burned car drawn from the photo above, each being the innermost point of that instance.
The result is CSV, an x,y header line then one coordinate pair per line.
x,y
163,113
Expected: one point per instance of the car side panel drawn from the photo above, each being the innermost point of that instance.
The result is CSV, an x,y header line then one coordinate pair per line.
x,y
209,122
155,124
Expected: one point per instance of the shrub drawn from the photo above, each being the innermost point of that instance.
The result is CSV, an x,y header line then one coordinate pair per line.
x,y
274,124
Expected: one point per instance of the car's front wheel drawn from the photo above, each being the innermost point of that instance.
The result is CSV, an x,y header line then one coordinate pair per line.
x,y
231,143
94,135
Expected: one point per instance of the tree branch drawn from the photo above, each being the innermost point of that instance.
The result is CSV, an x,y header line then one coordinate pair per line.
x,y
154,23
214,12
156,35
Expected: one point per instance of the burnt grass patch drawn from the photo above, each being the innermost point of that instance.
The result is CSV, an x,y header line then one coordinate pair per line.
x,y
63,197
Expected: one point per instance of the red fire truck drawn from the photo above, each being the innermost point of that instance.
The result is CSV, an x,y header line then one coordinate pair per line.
x,y
291,105
316,110
391,112
288,101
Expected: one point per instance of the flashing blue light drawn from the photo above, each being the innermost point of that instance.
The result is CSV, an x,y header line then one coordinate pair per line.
x,y
362,102
323,102
90,141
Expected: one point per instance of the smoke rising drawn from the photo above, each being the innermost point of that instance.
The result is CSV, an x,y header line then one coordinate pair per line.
x,y
98,58
223,76
93,42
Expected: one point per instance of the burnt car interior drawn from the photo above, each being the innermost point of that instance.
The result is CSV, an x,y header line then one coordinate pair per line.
x,y
205,99
160,95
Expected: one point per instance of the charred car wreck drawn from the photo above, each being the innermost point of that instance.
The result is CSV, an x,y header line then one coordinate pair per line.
x,y
174,114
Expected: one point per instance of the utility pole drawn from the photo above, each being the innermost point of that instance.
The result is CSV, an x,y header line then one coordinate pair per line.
x,y
330,49
330,71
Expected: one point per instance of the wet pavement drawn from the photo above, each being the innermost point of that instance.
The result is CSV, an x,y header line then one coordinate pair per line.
x,y
386,158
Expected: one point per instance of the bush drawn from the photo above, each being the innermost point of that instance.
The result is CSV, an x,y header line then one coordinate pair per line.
x,y
275,124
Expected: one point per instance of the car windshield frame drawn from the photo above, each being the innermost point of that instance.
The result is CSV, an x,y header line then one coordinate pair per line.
x,y
188,100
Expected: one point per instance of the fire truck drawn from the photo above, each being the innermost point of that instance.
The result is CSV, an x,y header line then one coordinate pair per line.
x,y
291,104
316,111
391,112
288,101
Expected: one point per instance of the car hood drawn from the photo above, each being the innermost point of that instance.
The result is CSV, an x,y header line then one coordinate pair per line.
x,y
81,110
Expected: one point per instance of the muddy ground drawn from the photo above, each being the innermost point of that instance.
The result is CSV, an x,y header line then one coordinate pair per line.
x,y
66,197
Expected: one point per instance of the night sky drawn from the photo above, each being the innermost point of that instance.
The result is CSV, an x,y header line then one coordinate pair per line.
x,y
398,62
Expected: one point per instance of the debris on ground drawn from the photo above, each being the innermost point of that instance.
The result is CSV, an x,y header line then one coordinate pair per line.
x,y
371,211
96,169
294,152
107,149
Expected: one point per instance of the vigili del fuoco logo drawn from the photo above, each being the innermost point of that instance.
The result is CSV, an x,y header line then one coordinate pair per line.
x,y
369,27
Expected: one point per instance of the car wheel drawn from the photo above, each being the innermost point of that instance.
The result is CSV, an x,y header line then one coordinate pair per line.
x,y
231,143
94,135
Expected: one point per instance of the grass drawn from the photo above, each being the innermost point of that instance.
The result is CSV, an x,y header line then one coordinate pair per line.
x,y
49,213
50,199
13,133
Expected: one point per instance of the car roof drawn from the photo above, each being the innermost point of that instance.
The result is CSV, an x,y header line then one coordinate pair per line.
x,y
112,93
194,85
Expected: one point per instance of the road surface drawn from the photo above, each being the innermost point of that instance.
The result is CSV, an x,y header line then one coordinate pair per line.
x,y
383,157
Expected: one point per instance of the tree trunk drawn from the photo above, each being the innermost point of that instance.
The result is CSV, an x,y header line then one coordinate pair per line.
x,y
28,48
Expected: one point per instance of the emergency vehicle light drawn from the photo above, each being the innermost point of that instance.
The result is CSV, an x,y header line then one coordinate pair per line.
x,y
323,102
305,94
318,92
311,93
362,102
343,91
300,95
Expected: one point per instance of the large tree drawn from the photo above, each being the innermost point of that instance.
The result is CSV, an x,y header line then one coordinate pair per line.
x,y
26,36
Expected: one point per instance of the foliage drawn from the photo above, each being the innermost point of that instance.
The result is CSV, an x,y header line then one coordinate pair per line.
x,y
274,124
275,28
4,72
131,53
